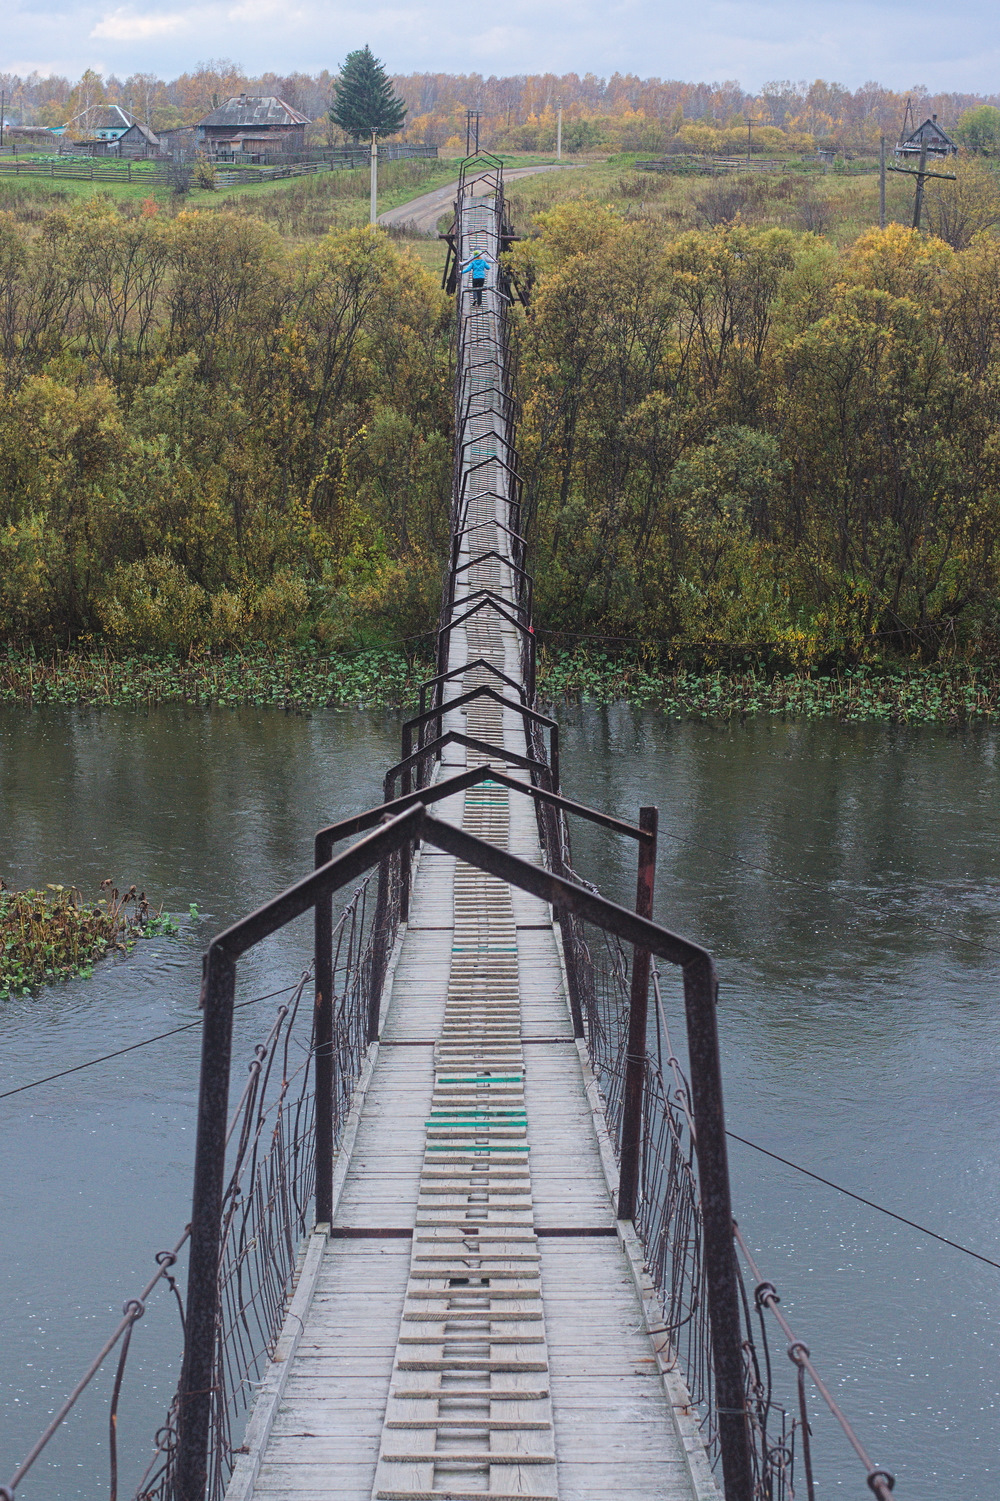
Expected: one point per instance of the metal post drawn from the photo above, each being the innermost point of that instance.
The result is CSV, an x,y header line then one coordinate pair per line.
x,y
635,1057
918,200
881,182
323,1043
700,995
196,1391
381,953
406,851
565,921
373,210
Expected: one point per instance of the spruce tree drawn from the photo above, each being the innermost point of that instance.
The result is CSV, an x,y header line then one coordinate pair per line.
x,y
363,98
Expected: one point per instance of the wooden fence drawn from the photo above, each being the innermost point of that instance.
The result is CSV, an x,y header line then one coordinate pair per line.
x,y
140,172
717,166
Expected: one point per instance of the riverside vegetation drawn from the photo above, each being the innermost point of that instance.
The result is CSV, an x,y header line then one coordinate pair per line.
x,y
761,456
55,935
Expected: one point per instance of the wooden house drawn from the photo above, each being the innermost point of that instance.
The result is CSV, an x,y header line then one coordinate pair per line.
x,y
250,125
110,123
139,141
936,138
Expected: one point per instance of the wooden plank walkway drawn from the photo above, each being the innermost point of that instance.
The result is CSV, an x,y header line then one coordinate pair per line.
x,y
474,1325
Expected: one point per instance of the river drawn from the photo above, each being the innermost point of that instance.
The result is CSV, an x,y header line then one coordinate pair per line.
x,y
845,877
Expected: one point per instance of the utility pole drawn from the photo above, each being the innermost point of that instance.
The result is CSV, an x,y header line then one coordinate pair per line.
x,y
918,197
3,102
881,182
373,215
748,140
921,174
559,134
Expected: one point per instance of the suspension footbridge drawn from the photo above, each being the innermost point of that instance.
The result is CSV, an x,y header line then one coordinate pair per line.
x,y
467,1229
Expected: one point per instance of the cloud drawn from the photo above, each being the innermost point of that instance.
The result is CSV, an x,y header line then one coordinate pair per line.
x,y
750,40
125,26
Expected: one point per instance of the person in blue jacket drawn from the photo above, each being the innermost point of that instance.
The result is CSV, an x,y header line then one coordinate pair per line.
x,y
477,265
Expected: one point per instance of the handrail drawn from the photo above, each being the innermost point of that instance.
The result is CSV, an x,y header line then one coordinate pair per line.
x,y
485,691
218,994
881,1482
327,837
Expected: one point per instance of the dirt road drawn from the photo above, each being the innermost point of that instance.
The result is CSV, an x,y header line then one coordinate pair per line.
x,y
422,214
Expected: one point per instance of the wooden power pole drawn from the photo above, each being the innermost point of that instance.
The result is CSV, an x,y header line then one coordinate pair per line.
x,y
921,174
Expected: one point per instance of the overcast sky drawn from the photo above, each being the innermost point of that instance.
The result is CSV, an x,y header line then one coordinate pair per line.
x,y
897,42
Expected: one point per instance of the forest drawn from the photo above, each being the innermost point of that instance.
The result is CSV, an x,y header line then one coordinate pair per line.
x,y
740,440
518,113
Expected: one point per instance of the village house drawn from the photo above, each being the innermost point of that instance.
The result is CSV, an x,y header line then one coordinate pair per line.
x,y
252,127
110,123
138,141
937,140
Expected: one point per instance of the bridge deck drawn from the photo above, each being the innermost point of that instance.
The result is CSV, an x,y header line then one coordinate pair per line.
x,y
473,1326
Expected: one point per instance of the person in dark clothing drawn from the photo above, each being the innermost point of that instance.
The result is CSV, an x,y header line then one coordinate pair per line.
x,y
477,266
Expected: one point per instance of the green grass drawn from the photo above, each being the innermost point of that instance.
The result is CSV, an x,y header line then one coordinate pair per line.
x,y
804,198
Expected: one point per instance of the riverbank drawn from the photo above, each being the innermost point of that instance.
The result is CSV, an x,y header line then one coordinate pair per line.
x,y
284,680
383,678
893,694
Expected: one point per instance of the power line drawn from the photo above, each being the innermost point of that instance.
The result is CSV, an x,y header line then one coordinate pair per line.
x,y
733,1135
850,1194
145,1043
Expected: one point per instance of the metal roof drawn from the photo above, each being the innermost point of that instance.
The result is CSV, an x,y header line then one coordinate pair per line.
x,y
112,117
930,131
243,111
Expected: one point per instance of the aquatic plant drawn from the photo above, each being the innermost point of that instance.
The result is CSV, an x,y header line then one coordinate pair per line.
x,y
53,934
287,679
891,693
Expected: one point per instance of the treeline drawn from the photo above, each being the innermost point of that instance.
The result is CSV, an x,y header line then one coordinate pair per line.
x,y
735,441
208,438
628,113
743,440
623,112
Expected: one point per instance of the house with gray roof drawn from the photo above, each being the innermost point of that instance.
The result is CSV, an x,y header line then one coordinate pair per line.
x,y
931,134
252,126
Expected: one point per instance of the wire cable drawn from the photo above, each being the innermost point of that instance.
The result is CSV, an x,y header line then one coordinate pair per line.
x,y
850,1194
146,1041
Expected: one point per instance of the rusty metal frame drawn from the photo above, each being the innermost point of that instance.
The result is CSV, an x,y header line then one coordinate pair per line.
x,y
483,691
524,578
218,997
528,635
443,677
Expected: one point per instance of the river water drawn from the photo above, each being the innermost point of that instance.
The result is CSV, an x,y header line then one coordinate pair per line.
x,y
845,877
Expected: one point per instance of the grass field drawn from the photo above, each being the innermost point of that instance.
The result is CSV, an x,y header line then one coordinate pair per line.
x,y
804,198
